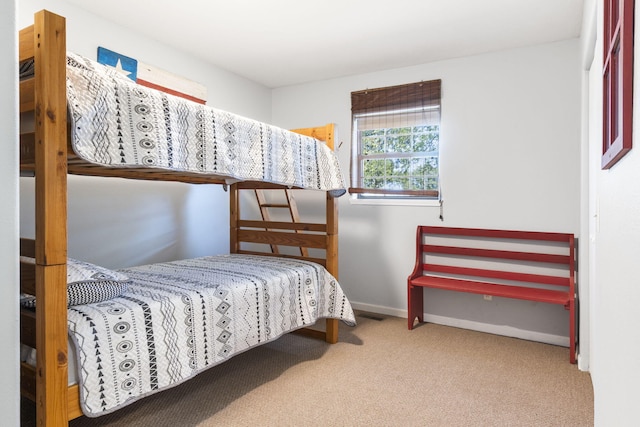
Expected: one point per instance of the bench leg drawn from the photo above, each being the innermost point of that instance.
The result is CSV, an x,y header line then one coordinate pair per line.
x,y
571,306
415,304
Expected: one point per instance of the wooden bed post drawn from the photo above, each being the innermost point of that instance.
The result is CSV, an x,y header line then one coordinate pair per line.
x,y
234,217
51,218
332,239
332,259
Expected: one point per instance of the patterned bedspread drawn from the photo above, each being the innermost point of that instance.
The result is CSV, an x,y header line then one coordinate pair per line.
x,y
118,123
182,317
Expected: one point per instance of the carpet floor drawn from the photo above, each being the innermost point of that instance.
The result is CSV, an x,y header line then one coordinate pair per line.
x,y
379,374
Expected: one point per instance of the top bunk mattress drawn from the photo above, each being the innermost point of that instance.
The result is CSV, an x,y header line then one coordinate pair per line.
x,y
117,123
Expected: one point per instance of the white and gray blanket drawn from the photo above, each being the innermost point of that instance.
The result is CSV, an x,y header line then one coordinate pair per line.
x,y
178,318
118,123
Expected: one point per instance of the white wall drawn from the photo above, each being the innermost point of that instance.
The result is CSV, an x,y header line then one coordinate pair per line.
x,y
510,158
615,245
9,361
118,223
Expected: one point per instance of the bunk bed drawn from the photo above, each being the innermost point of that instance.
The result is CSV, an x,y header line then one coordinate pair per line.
x,y
48,153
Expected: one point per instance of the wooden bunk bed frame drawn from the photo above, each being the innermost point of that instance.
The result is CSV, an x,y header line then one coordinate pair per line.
x,y
47,154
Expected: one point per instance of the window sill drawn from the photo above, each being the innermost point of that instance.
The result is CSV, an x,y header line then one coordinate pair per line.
x,y
394,202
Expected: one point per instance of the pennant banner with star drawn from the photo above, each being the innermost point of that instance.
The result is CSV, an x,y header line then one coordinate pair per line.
x,y
153,77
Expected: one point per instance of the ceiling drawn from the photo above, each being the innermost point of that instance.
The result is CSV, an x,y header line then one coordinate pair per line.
x,y
283,42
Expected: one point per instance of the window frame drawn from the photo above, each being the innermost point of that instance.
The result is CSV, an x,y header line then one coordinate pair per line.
x,y
617,77
412,98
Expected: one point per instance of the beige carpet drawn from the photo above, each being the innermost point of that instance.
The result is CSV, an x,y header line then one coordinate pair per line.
x,y
380,374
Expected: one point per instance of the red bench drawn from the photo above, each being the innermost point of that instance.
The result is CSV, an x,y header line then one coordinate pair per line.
x,y
524,265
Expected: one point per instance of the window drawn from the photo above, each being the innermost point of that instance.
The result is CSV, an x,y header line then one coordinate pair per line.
x,y
396,142
617,80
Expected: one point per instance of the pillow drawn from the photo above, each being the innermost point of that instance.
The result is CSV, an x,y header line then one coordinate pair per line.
x,y
88,283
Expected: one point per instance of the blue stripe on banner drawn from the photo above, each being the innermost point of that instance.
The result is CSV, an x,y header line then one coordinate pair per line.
x,y
127,66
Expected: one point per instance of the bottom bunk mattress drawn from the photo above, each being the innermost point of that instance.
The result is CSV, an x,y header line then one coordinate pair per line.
x,y
178,318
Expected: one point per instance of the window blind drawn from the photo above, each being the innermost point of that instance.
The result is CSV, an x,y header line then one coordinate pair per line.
x,y
405,96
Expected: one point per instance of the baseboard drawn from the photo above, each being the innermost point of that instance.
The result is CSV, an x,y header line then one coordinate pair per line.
x,y
379,309
503,330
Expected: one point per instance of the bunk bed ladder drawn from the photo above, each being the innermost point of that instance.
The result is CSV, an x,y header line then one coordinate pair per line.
x,y
290,205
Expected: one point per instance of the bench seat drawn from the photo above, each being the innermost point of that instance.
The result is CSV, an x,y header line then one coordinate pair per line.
x,y
485,288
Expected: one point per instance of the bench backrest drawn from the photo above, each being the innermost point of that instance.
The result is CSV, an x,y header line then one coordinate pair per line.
x,y
524,258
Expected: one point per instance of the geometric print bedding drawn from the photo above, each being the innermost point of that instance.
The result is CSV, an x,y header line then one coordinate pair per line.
x,y
179,318
117,123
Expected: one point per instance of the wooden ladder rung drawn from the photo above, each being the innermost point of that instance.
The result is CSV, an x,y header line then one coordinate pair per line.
x,y
274,205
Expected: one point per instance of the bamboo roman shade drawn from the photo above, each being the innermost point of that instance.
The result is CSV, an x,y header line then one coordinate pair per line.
x,y
406,96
